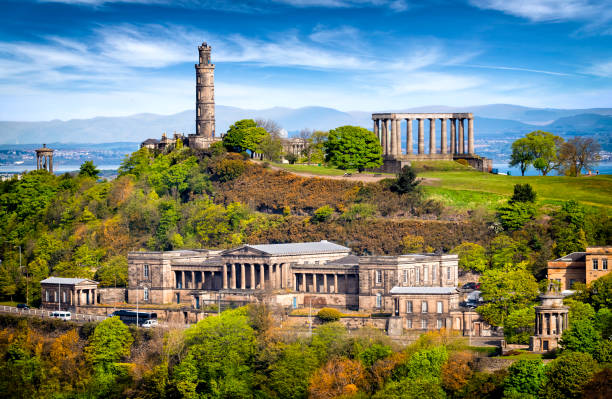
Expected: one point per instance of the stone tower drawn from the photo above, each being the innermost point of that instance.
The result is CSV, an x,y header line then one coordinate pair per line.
x,y
44,159
551,321
205,94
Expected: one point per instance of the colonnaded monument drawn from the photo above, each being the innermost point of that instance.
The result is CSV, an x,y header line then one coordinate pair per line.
x,y
387,127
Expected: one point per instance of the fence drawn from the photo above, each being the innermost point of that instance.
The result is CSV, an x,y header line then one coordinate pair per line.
x,y
47,313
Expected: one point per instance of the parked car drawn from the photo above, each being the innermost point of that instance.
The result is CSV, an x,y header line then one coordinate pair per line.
x,y
471,286
62,315
149,323
22,306
469,304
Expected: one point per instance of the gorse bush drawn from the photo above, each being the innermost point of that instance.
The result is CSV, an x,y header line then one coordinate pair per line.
x,y
329,314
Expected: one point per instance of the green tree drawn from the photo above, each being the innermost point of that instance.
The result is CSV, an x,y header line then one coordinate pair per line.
x,y
88,169
514,215
581,337
600,292
113,272
353,147
406,181
579,310
471,257
567,228
271,148
244,135
566,375
544,147
507,253
523,193
525,377
521,154
519,325
110,342
506,292
374,353
290,373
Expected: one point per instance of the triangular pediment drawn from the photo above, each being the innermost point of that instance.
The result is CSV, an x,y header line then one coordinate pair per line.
x,y
244,250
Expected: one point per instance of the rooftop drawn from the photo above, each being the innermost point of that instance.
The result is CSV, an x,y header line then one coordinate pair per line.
x,y
300,248
66,281
573,257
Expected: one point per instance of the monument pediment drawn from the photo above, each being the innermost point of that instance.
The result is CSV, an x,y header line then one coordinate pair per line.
x,y
244,250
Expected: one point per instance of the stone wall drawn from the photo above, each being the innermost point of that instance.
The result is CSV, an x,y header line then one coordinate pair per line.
x,y
112,295
352,323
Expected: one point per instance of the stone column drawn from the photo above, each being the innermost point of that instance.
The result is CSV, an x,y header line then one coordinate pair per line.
x,y
183,280
234,276
392,138
443,139
304,285
203,280
242,277
279,275
453,133
224,276
471,135
421,136
262,276
461,142
398,137
193,283
432,135
314,282
375,130
335,283
272,276
409,136
325,283
252,276
383,142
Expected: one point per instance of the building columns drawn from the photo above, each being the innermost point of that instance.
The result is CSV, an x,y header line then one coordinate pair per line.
x,y
375,130
224,276
335,283
461,141
453,134
325,283
471,136
409,136
314,282
443,139
242,277
384,128
262,276
432,135
421,136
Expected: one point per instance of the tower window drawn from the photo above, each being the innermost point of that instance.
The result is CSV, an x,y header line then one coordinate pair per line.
x,y
424,324
409,323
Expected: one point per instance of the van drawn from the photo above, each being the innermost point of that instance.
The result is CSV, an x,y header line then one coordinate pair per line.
x,y
149,323
61,315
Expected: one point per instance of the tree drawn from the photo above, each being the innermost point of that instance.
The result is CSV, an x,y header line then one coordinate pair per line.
x,y
406,181
521,154
514,215
88,169
579,310
471,257
523,193
567,374
577,154
506,292
600,292
524,377
110,342
456,372
567,227
290,373
339,376
271,148
113,272
244,135
270,126
519,324
544,147
600,386
353,147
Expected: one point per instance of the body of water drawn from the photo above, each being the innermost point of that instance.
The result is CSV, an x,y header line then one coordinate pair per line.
x,y
57,168
604,168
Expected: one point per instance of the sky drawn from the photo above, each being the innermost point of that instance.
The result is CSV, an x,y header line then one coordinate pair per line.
x,y
64,59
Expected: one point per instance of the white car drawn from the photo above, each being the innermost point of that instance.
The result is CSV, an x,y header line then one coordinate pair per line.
x,y
61,315
149,323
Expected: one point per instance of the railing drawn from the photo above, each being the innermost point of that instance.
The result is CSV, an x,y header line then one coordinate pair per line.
x,y
47,313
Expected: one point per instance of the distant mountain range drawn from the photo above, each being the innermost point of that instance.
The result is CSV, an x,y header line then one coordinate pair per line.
x,y
495,120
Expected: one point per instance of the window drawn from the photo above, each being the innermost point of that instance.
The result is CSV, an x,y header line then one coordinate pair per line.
x,y
418,275
146,271
378,276
433,273
145,293
424,324
448,273
409,323
604,264
47,295
408,306
405,275
595,264
379,300
425,270
571,283
440,307
424,307
439,324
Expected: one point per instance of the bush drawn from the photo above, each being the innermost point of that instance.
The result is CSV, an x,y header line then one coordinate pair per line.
x,y
329,314
406,181
462,162
323,214
229,169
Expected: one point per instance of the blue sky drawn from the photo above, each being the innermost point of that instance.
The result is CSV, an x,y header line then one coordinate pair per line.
x,y
83,58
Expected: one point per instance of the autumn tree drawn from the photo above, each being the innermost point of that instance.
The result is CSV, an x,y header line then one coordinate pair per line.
x,y
577,154
340,376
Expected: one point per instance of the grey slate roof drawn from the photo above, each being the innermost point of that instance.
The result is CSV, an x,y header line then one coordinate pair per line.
x,y
423,290
66,281
573,257
351,260
300,248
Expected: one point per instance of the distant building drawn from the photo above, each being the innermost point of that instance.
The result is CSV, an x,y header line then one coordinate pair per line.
x,y
582,267
417,290
44,159
551,320
67,293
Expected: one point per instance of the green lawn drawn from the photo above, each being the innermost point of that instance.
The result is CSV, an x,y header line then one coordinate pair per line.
x,y
319,170
465,187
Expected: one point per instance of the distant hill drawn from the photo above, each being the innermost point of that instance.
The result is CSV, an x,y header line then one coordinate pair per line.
x,y
490,120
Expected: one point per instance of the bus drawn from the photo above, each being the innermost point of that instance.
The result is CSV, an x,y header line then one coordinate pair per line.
x,y
130,316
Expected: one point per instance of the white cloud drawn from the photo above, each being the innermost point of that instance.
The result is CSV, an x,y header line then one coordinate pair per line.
x,y
603,69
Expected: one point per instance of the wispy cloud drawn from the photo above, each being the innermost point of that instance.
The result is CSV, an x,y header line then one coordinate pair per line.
x,y
602,69
519,69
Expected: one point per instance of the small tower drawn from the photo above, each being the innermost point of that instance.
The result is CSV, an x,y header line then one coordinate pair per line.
x,y
205,94
44,158
551,321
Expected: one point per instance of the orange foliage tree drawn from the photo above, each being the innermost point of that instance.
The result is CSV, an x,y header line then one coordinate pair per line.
x,y
339,377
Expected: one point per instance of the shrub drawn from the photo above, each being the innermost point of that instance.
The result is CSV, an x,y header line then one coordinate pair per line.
x,y
406,181
323,214
291,158
462,162
329,314
229,169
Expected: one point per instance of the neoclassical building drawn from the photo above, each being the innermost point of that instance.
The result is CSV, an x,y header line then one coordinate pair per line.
x,y
412,288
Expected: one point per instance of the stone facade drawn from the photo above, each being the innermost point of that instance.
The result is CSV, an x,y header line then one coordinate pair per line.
x,y
294,275
387,127
582,267
551,321
59,293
